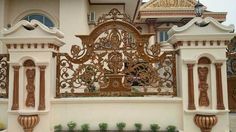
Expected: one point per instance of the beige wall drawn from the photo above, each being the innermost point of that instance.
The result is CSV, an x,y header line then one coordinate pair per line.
x,y
3,16
73,20
103,9
145,110
3,111
19,8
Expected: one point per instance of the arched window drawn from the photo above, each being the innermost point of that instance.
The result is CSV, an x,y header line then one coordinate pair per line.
x,y
40,17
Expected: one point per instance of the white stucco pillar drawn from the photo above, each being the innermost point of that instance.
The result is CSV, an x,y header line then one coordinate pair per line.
x,y
201,47
32,74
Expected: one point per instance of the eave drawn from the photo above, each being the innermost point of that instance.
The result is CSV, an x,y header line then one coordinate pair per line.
x,y
174,13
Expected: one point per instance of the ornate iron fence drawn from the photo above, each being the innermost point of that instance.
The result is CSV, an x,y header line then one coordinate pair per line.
x,y
231,74
115,60
4,75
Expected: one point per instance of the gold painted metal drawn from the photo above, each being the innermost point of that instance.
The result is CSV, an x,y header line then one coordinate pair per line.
x,y
231,74
115,60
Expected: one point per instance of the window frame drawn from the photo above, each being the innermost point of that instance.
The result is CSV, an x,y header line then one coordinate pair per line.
x,y
43,21
18,18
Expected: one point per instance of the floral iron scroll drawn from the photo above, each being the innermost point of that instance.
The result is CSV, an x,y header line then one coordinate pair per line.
x,y
115,60
4,70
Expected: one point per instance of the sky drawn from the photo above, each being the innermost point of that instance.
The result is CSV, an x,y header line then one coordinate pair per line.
x,y
222,6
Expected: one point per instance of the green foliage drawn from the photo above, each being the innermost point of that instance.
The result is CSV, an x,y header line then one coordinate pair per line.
x,y
138,127
58,128
85,127
171,128
103,126
154,127
121,126
71,125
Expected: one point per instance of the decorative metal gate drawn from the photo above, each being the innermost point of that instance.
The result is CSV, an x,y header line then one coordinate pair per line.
x,y
115,60
231,73
4,72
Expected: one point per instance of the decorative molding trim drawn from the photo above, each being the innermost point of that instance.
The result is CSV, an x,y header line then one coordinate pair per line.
x,y
15,101
29,63
33,24
33,46
220,102
224,37
175,29
154,4
191,104
204,60
86,100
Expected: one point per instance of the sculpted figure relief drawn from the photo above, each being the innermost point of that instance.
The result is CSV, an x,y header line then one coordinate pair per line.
x,y
203,86
30,87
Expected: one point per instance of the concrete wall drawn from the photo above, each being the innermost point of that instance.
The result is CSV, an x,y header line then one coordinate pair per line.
x,y
73,21
101,9
232,117
3,111
145,110
18,9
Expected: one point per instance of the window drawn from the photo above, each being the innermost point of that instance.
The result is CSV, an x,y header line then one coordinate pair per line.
x,y
42,18
163,36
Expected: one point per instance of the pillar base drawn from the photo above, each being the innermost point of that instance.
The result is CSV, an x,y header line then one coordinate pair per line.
x,y
205,122
28,122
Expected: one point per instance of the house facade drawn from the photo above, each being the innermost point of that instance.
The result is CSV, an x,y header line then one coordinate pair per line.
x,y
93,61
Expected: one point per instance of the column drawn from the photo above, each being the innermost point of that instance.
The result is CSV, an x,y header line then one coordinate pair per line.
x,y
191,104
220,102
15,102
42,88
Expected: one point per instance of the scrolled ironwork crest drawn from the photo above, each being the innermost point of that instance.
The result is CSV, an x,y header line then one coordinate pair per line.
x,y
115,59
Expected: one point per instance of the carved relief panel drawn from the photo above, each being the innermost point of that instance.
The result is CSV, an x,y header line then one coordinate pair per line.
x,y
203,81
203,86
30,83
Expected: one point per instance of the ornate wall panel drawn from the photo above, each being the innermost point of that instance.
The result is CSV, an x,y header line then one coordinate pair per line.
x,y
30,85
203,86
115,60
4,71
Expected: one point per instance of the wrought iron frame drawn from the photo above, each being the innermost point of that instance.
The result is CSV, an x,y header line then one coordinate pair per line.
x,y
96,57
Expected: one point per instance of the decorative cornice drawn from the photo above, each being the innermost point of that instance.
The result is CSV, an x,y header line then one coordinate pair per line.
x,y
32,40
182,13
201,37
157,4
35,46
200,21
204,43
32,25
